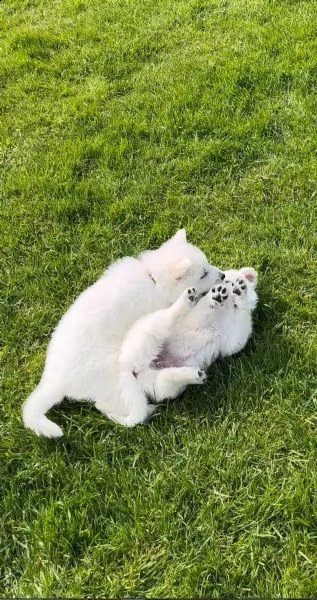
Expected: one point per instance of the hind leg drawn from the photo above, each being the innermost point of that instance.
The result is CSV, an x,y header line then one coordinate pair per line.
x,y
155,387
134,418
167,383
129,420
130,409
158,385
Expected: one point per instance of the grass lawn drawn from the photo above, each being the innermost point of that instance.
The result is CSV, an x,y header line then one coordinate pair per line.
x,y
122,120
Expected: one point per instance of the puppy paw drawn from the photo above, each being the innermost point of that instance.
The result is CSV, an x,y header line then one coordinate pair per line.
x,y
219,293
202,376
192,295
197,376
189,375
239,287
184,303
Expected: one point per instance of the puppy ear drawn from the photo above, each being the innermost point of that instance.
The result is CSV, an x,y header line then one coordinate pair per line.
x,y
180,236
250,274
182,268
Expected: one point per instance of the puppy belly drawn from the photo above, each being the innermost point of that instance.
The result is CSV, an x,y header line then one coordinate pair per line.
x,y
165,360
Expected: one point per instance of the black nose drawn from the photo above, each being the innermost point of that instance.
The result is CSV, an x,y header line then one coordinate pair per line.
x,y
221,275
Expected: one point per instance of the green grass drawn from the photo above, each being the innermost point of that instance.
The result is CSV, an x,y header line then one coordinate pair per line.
x,y
122,120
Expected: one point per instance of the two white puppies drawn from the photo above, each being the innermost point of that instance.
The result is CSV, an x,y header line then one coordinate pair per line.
x,y
82,359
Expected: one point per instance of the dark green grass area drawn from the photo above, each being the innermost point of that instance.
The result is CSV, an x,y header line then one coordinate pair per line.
x,y
122,120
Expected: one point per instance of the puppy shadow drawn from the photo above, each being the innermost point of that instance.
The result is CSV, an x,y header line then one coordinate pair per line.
x,y
230,383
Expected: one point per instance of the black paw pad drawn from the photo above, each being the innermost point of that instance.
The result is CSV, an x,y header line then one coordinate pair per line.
x,y
237,291
220,293
192,294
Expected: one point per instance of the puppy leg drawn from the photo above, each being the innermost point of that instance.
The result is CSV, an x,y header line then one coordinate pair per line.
x,y
152,388
147,337
170,382
133,419
184,303
127,415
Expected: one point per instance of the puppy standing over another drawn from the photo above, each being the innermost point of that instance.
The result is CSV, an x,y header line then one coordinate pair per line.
x,y
83,354
167,350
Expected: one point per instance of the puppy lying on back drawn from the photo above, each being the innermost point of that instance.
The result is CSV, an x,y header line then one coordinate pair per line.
x,y
83,354
169,349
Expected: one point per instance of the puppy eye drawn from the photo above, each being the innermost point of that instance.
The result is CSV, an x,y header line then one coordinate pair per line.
x,y
205,273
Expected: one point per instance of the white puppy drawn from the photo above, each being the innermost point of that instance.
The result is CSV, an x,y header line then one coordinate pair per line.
x,y
83,354
167,350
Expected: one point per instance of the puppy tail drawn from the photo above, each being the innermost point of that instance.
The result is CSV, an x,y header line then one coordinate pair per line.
x,y
35,407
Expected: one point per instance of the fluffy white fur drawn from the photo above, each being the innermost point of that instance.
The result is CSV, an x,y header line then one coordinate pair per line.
x,y
82,359
167,350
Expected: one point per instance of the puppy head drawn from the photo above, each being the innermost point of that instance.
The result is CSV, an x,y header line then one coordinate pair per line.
x,y
177,264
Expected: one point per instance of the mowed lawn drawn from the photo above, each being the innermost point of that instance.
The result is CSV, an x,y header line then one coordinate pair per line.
x,y
122,120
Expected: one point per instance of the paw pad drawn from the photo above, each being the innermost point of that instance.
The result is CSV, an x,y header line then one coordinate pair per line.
x,y
192,294
239,287
219,293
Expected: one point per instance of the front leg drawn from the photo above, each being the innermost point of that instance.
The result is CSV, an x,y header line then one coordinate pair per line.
x,y
148,335
183,304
